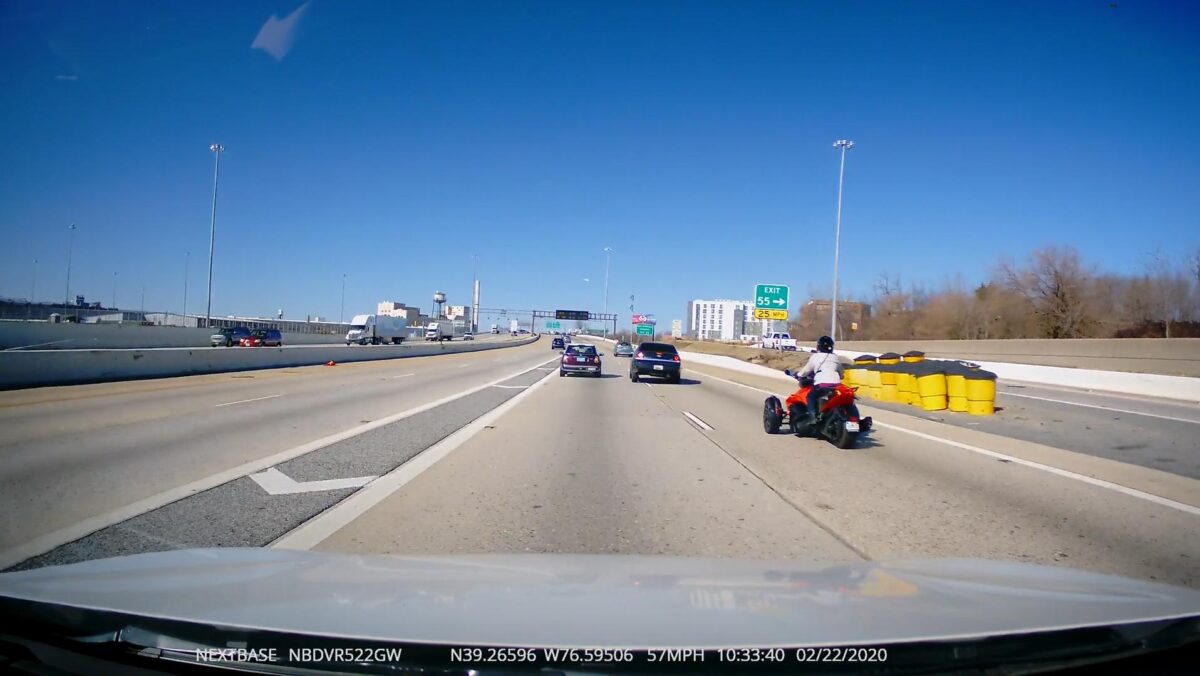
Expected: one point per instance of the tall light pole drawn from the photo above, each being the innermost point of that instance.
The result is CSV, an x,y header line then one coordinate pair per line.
x,y
187,258
70,245
844,145
474,325
114,289
342,307
217,149
33,289
607,259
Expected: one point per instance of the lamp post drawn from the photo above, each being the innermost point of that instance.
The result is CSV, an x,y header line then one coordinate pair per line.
x,y
33,289
342,307
843,145
608,250
187,258
217,149
70,245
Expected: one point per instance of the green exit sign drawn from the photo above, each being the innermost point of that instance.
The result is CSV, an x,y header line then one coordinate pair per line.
x,y
553,325
645,329
770,297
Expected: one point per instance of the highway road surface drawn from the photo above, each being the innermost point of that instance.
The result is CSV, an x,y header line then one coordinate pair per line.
x,y
494,452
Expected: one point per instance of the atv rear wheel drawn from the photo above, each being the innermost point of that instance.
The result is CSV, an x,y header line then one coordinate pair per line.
x,y
772,415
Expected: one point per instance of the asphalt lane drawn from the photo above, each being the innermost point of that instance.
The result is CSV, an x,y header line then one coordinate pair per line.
x,y
609,466
1154,433
68,454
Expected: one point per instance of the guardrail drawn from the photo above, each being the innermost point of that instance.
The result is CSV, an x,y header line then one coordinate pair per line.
x,y
39,368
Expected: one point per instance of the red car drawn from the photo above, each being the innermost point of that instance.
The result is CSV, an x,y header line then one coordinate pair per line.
x,y
263,338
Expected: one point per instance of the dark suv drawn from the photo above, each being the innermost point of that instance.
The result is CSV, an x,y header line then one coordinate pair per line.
x,y
655,359
230,337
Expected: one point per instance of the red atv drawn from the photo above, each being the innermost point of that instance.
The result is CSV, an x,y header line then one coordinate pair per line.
x,y
838,420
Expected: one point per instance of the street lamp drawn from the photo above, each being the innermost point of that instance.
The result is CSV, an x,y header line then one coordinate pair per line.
x,y
187,258
342,307
217,149
843,145
607,259
114,289
70,244
33,289
474,325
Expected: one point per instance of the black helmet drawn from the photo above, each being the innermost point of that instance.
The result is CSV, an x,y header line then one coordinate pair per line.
x,y
824,344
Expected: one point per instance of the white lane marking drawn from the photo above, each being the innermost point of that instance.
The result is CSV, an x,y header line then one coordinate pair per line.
x,y
1132,492
1106,408
317,529
699,423
275,482
246,401
1165,502
463,366
512,387
48,541
403,375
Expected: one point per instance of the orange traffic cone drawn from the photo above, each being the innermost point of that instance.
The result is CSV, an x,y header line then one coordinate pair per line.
x,y
330,363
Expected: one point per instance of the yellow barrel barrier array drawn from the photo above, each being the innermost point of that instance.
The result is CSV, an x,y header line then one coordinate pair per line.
x,y
934,385
981,392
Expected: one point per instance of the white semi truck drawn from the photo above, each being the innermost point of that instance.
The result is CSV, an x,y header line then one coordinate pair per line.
x,y
376,330
444,329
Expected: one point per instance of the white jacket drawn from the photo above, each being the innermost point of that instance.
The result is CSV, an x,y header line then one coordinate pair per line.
x,y
825,369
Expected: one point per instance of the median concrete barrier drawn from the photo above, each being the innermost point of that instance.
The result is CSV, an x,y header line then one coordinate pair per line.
x,y
1158,356
47,336
37,368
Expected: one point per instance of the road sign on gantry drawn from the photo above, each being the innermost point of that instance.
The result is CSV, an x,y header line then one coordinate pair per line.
x,y
578,315
770,301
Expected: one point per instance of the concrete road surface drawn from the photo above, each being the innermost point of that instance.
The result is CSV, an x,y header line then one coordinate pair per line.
x,y
494,452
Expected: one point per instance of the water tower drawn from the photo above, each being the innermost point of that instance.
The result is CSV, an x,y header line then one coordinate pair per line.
x,y
439,301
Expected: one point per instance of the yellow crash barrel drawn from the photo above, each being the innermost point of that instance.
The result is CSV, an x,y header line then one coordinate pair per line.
x,y
931,385
981,392
914,356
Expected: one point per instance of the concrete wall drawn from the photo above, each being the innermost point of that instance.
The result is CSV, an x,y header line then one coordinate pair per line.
x,y
1174,356
37,368
46,336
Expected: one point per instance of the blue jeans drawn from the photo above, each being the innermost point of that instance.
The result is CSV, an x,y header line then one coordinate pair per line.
x,y
813,395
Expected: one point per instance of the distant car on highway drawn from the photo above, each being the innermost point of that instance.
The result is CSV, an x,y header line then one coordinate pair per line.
x,y
468,336
623,349
557,343
656,359
580,358
263,338
230,337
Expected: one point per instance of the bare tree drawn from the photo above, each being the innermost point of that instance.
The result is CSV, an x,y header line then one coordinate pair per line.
x,y
1057,285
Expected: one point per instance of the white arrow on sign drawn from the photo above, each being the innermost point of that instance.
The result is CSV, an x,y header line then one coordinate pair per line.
x,y
275,482
778,301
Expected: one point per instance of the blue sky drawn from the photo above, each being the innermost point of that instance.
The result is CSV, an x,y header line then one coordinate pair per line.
x,y
393,140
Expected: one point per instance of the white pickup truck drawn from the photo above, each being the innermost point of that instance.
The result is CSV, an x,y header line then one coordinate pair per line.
x,y
779,341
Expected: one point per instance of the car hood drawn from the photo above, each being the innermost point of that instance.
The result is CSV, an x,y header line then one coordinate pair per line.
x,y
577,600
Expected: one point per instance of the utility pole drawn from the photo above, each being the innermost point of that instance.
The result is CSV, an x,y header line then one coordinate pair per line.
x,y
843,145
217,149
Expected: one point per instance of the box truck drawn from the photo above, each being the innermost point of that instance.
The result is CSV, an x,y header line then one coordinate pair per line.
x,y
376,330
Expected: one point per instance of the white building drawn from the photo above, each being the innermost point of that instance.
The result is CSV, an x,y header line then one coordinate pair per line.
x,y
718,319
391,308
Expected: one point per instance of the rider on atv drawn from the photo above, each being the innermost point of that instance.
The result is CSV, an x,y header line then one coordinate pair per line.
x,y
824,369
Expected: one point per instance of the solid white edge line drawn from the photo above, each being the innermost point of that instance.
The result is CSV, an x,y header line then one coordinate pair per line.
x,y
699,423
246,401
48,541
319,528
1132,492
1106,408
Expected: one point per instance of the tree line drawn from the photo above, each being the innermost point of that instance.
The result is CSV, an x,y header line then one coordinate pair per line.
x,y
1053,293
